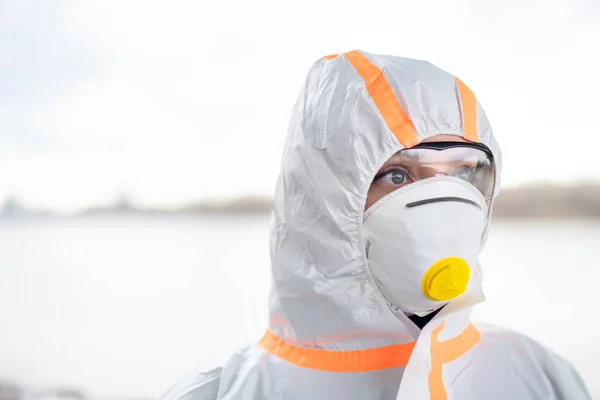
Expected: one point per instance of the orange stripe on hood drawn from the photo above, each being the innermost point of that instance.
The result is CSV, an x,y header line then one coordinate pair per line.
x,y
385,99
468,105
339,361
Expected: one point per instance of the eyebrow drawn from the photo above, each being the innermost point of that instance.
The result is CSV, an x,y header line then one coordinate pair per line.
x,y
396,158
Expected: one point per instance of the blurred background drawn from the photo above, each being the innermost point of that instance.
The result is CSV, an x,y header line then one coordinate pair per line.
x,y
139,146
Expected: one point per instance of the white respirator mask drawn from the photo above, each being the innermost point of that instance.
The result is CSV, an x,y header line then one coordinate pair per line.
x,y
423,240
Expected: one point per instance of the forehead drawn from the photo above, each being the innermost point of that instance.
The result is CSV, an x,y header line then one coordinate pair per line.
x,y
445,138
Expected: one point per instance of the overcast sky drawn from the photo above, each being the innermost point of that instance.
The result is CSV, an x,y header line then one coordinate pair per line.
x,y
172,101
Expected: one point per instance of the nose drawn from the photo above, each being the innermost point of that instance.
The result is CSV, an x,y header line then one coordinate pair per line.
x,y
442,200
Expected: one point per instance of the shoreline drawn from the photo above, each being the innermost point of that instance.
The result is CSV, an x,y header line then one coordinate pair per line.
x,y
535,201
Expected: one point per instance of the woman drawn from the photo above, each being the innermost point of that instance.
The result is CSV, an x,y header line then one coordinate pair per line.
x,y
381,210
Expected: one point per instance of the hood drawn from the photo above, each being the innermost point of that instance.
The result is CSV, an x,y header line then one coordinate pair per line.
x,y
355,110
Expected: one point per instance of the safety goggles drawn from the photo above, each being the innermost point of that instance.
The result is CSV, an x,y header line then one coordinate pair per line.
x,y
471,162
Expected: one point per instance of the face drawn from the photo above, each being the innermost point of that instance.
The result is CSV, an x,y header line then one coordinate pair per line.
x,y
391,175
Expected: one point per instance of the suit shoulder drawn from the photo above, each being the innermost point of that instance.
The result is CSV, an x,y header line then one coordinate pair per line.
x,y
511,350
199,385
510,341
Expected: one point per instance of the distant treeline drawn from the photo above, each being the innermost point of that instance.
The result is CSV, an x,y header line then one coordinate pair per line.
x,y
549,201
531,201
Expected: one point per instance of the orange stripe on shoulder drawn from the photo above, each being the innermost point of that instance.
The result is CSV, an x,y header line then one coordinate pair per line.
x,y
445,352
338,361
384,98
459,345
468,105
331,56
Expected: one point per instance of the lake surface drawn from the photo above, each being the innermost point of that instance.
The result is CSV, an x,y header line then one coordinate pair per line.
x,y
124,306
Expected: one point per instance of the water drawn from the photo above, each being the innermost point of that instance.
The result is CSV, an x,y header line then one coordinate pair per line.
x,y
124,306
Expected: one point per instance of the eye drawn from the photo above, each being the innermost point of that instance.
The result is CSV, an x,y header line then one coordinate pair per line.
x,y
393,177
474,174
468,174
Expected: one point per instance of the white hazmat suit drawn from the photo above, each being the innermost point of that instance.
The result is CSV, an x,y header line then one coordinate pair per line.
x,y
332,334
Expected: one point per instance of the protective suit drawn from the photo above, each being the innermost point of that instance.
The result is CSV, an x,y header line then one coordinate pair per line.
x,y
333,333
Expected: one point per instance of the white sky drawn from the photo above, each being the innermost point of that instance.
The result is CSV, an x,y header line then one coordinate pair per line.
x,y
182,100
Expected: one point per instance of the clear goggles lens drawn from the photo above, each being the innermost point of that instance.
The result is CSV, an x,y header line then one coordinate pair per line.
x,y
472,163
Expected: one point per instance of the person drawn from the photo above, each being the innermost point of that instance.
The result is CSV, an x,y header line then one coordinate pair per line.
x,y
382,207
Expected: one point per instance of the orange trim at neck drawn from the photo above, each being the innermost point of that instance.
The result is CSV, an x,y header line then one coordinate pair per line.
x,y
339,361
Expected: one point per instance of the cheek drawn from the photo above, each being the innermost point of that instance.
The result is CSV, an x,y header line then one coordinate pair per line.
x,y
376,192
